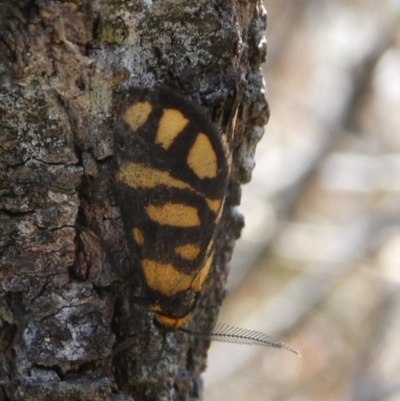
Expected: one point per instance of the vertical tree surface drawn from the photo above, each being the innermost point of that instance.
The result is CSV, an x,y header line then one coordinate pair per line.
x,y
67,298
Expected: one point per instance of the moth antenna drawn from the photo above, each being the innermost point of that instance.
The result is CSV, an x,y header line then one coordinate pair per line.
x,y
124,345
231,334
151,355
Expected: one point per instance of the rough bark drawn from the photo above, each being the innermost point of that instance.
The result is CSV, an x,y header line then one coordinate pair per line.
x,y
64,299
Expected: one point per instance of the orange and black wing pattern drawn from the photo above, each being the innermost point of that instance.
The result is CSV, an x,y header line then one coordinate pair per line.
x,y
171,174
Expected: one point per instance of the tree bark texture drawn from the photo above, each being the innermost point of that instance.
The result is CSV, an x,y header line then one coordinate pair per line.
x,y
68,298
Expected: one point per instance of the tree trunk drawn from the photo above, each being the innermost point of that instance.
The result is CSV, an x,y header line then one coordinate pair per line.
x,y
68,298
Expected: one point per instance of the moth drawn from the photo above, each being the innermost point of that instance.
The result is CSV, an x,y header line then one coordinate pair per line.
x,y
171,175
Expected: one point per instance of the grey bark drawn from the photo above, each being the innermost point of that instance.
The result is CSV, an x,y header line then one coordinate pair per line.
x,y
64,298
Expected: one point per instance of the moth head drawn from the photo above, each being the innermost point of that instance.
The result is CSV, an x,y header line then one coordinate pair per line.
x,y
170,322
172,312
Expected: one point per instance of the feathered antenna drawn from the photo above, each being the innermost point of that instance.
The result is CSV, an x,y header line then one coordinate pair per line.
x,y
230,334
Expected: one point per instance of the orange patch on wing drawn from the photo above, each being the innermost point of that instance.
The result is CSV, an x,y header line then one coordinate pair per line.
x,y
213,204
171,123
202,158
188,251
202,274
137,236
137,114
174,214
165,278
137,175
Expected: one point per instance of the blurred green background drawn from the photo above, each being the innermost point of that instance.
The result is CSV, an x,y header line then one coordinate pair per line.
x,y
318,265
